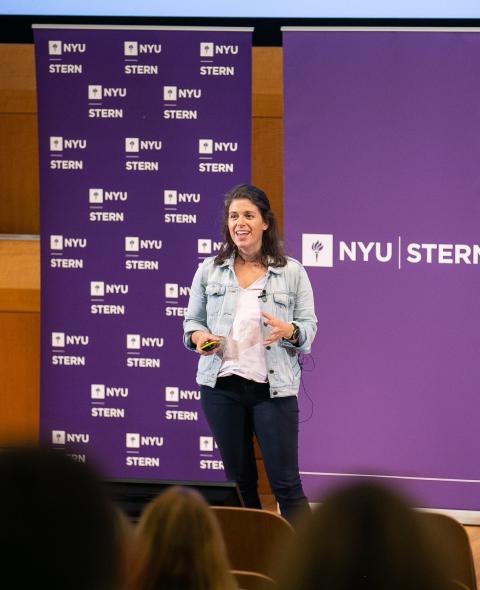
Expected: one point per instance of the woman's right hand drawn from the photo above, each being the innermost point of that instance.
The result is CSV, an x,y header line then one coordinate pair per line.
x,y
199,338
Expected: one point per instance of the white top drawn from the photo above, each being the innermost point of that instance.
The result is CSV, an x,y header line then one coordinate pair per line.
x,y
244,352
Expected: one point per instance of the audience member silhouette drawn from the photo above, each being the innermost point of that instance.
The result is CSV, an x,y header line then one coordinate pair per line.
x,y
57,526
180,546
125,544
362,537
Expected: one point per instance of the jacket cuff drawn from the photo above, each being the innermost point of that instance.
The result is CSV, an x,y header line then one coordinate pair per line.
x,y
187,340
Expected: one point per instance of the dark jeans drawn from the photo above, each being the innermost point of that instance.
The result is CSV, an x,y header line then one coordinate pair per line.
x,y
235,409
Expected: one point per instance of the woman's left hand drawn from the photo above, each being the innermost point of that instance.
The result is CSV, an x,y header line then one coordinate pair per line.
x,y
279,329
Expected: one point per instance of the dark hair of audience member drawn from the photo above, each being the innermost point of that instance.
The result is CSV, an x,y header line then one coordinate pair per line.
x,y
180,545
57,528
362,537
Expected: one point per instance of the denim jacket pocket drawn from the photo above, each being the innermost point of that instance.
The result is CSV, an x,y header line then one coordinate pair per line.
x,y
215,295
281,301
281,298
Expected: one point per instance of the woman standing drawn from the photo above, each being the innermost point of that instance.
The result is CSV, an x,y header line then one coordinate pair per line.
x,y
250,314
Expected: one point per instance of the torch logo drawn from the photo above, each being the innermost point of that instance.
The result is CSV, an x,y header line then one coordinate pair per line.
x,y
317,250
317,247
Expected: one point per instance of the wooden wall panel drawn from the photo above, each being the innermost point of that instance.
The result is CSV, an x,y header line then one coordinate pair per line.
x,y
267,82
267,162
19,202
20,376
19,339
20,275
17,78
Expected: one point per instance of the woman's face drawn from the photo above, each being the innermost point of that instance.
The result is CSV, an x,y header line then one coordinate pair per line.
x,y
246,225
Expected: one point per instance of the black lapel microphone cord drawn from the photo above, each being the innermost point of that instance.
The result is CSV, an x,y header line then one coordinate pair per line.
x,y
307,363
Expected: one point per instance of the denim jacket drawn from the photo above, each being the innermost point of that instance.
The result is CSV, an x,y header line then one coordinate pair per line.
x,y
287,296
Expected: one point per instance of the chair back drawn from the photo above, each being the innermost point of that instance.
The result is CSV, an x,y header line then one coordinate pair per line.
x,y
252,537
253,581
452,542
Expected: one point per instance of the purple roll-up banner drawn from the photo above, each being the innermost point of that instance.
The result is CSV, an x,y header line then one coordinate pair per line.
x,y
382,181
142,130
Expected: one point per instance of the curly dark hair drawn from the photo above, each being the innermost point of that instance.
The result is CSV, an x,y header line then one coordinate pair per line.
x,y
272,253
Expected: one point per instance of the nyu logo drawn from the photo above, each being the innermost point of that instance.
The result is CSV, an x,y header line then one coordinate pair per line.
x,y
99,391
60,242
317,250
209,146
206,443
60,339
136,341
173,291
135,244
211,49
57,48
60,437
173,197
173,93
135,145
98,195
134,440
205,246
58,144
99,289
175,394
363,250
133,48
97,92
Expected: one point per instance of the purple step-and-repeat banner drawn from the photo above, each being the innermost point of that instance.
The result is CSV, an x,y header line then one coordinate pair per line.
x,y
141,133
382,180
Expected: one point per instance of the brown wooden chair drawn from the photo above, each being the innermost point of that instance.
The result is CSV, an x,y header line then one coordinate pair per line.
x,y
453,545
253,581
252,537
